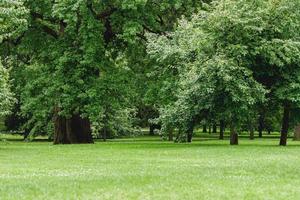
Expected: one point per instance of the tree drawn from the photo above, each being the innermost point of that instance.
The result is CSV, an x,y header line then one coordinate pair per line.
x,y
214,76
78,58
13,23
267,46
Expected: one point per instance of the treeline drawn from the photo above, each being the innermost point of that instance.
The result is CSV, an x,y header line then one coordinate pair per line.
x,y
76,70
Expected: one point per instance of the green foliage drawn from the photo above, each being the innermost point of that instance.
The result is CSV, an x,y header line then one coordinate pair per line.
x,y
83,57
13,19
226,57
13,22
6,97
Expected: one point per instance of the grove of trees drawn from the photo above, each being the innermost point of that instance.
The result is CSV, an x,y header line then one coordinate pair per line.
x,y
81,69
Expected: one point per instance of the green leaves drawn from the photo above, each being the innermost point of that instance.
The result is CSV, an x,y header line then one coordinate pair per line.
x,y
13,19
7,99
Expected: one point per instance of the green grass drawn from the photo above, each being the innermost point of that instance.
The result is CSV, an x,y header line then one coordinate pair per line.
x,y
147,168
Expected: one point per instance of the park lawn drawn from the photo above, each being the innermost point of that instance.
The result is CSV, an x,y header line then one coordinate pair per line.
x,y
147,168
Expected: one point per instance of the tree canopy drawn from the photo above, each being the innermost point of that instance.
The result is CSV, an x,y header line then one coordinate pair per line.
x,y
84,69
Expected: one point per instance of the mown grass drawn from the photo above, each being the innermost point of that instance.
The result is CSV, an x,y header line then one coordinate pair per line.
x,y
148,168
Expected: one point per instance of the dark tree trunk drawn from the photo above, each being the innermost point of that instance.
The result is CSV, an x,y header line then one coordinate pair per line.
x,y
260,125
170,134
234,137
285,124
26,134
251,130
190,132
204,128
222,129
104,134
72,131
209,129
214,128
151,130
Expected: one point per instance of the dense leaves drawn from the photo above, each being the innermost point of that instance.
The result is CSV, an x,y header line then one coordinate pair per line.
x,y
176,63
229,56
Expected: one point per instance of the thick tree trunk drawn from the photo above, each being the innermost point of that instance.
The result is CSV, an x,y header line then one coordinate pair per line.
x,y
260,125
214,128
151,130
285,125
72,131
234,137
222,129
204,128
190,131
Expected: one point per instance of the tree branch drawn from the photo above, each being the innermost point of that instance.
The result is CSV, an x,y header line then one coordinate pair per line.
x,y
102,15
47,29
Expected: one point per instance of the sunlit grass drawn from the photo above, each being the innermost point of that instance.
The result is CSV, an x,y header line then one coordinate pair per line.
x,y
148,168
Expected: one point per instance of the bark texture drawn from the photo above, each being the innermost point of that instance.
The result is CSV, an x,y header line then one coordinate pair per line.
x,y
74,130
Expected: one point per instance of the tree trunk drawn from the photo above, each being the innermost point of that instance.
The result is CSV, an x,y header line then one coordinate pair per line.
x,y
151,130
251,130
204,128
209,129
170,134
104,134
234,137
222,129
190,132
297,133
72,131
214,128
260,125
285,124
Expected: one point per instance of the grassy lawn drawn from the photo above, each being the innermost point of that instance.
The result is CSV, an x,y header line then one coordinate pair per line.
x,y
147,168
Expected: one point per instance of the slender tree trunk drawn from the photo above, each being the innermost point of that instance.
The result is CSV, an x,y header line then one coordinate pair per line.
x,y
209,129
251,130
234,137
72,131
260,125
190,132
170,134
222,129
214,128
204,128
285,124
104,134
26,134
